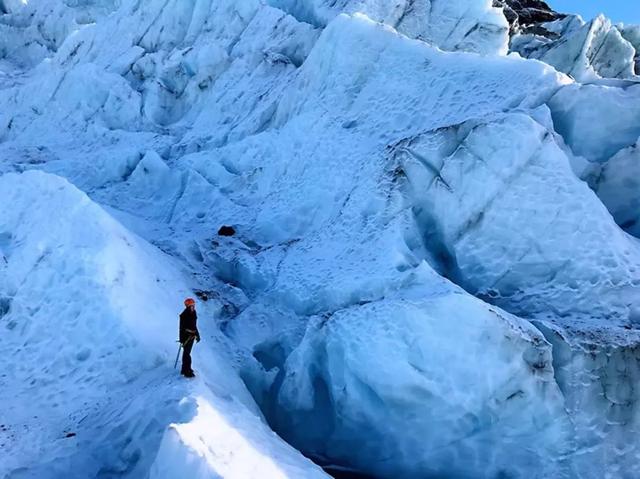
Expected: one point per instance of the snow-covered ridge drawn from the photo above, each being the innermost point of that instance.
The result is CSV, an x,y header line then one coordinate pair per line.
x,y
399,188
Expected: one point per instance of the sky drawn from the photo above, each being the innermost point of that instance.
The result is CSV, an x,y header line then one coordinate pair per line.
x,y
626,11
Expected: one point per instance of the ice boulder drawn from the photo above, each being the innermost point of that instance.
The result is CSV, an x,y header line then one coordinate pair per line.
x,y
375,387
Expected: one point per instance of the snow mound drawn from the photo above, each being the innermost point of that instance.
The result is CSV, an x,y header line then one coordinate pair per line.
x,y
89,318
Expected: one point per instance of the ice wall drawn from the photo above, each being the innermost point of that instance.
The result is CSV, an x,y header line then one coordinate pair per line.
x,y
500,196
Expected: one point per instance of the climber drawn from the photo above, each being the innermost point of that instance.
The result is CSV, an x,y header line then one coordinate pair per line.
x,y
188,334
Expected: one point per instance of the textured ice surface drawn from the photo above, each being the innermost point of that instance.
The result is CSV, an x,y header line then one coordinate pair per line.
x,y
598,383
357,164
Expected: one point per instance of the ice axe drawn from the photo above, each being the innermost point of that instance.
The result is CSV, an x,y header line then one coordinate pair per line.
x,y
179,348
178,355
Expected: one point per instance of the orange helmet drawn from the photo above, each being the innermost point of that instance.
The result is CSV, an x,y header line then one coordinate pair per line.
x,y
189,302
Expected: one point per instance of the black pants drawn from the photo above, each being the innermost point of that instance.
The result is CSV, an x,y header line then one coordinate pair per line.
x,y
186,355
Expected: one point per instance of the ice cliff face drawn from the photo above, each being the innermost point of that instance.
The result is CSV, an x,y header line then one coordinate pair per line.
x,y
430,274
585,50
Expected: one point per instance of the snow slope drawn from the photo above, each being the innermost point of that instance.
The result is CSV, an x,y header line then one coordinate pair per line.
x,y
400,191
89,335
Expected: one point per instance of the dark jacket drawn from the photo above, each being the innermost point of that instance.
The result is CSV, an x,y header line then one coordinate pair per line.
x,y
188,325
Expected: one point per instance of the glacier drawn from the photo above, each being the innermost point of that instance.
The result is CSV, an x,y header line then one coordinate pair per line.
x,y
435,267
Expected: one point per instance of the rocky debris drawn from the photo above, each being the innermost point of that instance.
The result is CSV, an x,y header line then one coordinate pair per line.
x,y
205,295
527,14
226,231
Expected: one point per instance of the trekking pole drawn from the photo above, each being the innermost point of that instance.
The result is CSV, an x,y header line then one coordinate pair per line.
x,y
177,356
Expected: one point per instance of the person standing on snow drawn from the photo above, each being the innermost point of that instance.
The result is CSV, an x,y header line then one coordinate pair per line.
x,y
188,334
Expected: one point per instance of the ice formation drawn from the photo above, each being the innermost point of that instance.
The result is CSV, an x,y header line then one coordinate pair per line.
x,y
583,50
428,275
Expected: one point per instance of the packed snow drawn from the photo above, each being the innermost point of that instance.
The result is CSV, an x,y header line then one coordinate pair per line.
x,y
428,274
